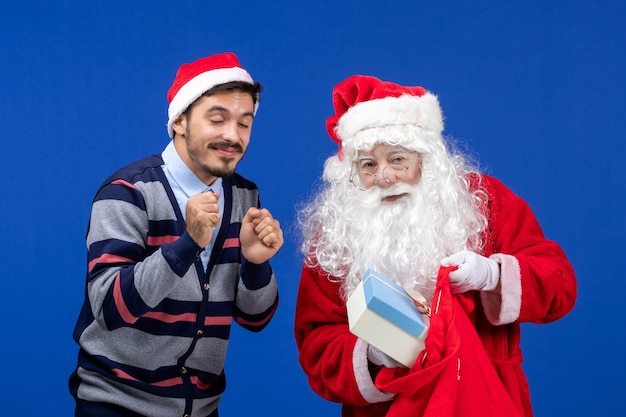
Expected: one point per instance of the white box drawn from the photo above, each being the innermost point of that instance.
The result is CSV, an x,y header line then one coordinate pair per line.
x,y
383,314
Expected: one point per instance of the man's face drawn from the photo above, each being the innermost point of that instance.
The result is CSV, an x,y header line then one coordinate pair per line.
x,y
385,168
213,135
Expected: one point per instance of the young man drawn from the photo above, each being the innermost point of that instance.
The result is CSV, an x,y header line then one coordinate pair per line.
x,y
398,201
178,247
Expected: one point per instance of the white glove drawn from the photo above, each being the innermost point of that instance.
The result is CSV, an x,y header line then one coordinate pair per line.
x,y
475,272
377,357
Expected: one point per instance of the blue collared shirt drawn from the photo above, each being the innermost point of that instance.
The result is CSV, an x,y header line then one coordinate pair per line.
x,y
185,184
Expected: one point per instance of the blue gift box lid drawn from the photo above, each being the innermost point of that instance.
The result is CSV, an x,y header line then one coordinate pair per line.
x,y
389,300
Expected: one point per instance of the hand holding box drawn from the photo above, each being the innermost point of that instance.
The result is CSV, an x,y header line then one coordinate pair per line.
x,y
383,314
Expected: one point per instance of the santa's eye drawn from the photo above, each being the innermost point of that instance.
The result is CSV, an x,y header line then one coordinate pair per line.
x,y
367,166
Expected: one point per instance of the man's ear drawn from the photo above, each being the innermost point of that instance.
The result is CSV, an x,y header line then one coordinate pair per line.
x,y
180,125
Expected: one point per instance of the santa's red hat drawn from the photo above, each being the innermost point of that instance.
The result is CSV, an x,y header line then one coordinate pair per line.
x,y
363,102
193,80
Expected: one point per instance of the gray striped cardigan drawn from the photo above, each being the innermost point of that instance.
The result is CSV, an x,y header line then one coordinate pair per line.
x,y
154,327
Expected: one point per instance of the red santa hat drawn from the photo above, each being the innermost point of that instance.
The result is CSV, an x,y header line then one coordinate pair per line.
x,y
193,80
363,102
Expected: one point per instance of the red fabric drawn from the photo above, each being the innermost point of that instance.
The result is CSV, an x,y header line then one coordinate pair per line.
x,y
548,292
359,88
453,376
188,71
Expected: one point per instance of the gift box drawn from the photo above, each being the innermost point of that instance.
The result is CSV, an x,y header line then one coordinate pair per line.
x,y
383,314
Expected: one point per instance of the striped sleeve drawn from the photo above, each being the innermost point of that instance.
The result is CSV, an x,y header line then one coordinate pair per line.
x,y
257,296
134,262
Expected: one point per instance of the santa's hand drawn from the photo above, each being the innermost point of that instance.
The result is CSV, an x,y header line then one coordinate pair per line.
x,y
261,236
474,272
379,358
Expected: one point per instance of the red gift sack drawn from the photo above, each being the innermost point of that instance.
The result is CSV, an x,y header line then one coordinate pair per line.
x,y
453,376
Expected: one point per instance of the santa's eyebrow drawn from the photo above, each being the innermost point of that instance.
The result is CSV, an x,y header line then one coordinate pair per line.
x,y
396,149
389,151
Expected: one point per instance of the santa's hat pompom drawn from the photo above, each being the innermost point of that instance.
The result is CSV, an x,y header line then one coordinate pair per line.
x,y
193,80
363,102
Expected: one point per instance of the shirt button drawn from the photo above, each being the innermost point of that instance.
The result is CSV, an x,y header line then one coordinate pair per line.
x,y
207,286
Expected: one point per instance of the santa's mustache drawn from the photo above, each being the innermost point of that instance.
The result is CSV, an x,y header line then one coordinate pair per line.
x,y
226,145
398,189
373,198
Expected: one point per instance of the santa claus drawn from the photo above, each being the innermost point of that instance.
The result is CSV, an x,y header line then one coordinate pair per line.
x,y
400,200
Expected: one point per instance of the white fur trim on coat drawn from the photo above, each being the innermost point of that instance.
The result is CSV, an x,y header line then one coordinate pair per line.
x,y
368,389
504,308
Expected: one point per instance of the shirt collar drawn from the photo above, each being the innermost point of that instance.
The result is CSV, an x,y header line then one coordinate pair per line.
x,y
186,179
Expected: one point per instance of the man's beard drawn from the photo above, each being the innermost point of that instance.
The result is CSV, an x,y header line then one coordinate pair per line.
x,y
394,238
227,166
224,170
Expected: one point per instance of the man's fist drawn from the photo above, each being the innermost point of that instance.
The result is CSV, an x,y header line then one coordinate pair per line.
x,y
202,216
261,236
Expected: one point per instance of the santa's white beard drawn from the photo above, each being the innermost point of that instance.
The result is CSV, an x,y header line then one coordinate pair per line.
x,y
346,231
398,239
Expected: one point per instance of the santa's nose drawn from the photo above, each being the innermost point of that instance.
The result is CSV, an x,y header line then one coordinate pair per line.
x,y
388,176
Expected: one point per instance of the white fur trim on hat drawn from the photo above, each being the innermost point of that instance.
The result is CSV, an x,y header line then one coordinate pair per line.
x,y
200,84
421,111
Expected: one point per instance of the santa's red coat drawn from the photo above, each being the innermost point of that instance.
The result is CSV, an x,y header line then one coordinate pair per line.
x,y
472,351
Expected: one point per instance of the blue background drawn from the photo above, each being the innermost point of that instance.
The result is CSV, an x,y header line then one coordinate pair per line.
x,y
535,89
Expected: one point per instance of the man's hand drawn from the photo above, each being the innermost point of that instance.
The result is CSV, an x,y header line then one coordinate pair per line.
x,y
202,216
475,272
261,236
